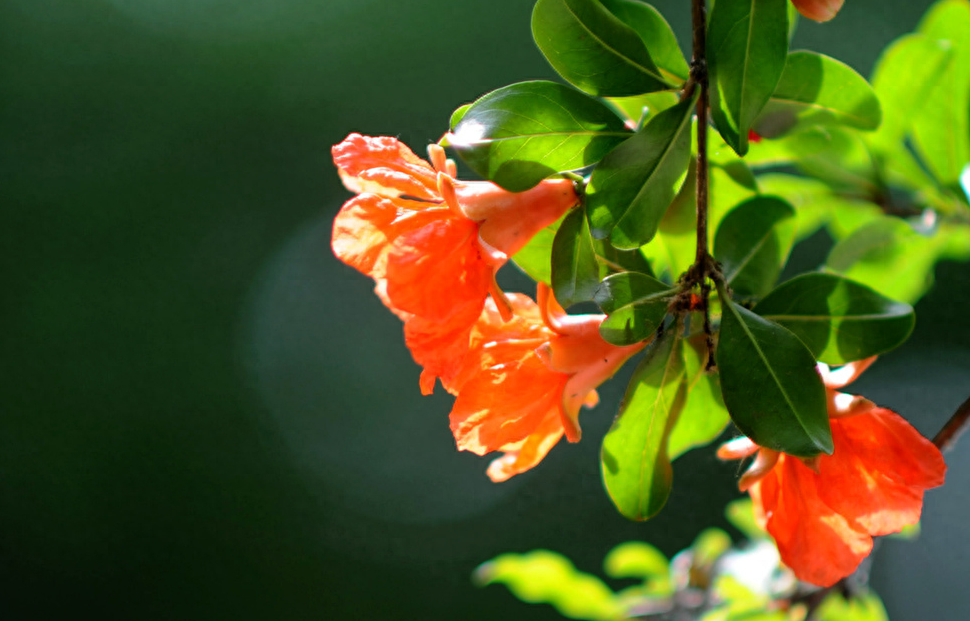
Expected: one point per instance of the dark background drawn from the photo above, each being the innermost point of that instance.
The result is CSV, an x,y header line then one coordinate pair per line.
x,y
204,415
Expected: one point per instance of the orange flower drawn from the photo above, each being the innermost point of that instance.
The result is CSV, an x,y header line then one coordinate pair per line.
x,y
431,243
523,381
819,10
824,512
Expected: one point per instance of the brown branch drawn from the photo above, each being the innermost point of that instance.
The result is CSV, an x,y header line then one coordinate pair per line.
x,y
957,424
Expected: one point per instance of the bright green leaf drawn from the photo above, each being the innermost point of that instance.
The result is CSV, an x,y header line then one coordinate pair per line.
x,y
520,134
656,34
635,304
941,133
709,546
645,107
546,577
866,608
747,46
839,320
753,242
770,385
811,199
575,272
703,416
594,50
740,513
535,258
630,189
635,559
818,90
636,470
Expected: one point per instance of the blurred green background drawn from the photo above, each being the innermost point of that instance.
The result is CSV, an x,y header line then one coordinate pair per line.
x,y
204,415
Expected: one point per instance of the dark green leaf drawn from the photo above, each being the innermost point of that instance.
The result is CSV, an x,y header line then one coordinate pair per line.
x,y
612,260
594,50
839,320
659,39
747,45
770,385
941,133
635,304
520,134
818,90
704,416
575,272
629,190
636,470
546,577
753,242
923,62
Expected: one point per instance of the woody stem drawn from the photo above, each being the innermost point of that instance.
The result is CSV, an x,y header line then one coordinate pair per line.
x,y
957,424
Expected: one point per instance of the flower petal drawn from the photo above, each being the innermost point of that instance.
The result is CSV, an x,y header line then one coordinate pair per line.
x,y
384,165
817,543
526,454
819,10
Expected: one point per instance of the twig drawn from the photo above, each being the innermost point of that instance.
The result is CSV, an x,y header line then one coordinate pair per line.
x,y
957,424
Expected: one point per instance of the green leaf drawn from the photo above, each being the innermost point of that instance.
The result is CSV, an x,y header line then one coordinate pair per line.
x,y
630,189
535,258
740,513
922,61
818,90
546,577
613,260
635,304
747,46
520,134
839,320
594,50
941,133
656,34
635,559
636,470
753,242
770,385
810,198
865,608
644,107
575,272
709,546
703,416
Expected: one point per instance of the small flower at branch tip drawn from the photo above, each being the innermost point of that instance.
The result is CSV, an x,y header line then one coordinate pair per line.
x,y
524,381
824,512
818,10
433,244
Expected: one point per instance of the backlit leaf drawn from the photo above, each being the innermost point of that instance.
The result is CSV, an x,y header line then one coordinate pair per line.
x,y
703,416
770,385
636,469
575,272
839,320
753,242
635,559
520,134
635,304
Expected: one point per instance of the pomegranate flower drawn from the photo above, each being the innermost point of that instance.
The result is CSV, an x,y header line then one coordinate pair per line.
x,y
819,10
523,381
433,244
824,512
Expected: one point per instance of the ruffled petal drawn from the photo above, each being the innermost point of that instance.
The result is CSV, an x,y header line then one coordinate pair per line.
x,y
437,271
505,404
879,470
819,10
816,542
384,165
439,346
526,454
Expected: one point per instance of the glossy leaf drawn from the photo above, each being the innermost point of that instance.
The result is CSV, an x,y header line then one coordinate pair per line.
x,y
575,272
593,49
839,320
636,469
630,189
922,61
635,304
546,577
747,46
941,133
704,415
818,90
520,134
657,36
753,242
641,108
770,385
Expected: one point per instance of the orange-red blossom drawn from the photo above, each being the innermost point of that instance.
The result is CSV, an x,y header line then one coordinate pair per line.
x,y
824,512
819,10
433,244
523,381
